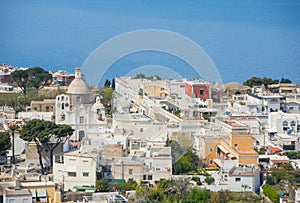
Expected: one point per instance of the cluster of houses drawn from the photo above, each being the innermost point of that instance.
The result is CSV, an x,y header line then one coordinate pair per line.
x,y
59,78
224,125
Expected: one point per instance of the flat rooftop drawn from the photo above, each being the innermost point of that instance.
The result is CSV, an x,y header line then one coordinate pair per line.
x,y
244,171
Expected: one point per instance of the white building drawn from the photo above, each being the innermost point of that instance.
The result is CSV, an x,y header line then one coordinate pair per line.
x,y
284,122
17,195
78,109
238,179
76,168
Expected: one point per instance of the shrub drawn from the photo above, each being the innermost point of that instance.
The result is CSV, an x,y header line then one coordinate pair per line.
x,y
271,193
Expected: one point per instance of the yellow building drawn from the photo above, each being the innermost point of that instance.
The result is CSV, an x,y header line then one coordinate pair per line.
x,y
42,191
237,147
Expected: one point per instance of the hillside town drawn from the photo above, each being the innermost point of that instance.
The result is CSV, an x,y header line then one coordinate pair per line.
x,y
138,136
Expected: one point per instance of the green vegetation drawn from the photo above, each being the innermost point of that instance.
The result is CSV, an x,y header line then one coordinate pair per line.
x,y
271,193
209,180
102,185
5,143
169,191
197,195
46,135
142,76
197,180
256,81
113,84
35,78
129,185
284,172
177,112
285,80
293,155
107,83
226,196
183,159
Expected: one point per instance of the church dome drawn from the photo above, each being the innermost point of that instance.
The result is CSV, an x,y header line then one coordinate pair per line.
x,y
78,85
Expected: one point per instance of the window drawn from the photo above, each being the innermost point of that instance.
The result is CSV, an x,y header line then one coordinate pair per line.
x,y
293,124
81,119
237,179
291,108
141,130
85,174
72,161
211,149
80,135
78,99
210,161
149,177
11,201
144,177
72,174
285,125
201,92
25,200
130,171
47,108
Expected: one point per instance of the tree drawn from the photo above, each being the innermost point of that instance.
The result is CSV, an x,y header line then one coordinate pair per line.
x,y
35,77
38,77
139,76
183,160
107,83
20,77
102,185
113,84
271,193
197,180
44,134
256,81
129,185
285,80
198,195
5,143
58,133
209,180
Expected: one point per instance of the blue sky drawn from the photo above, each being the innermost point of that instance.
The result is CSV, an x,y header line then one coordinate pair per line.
x,y
243,38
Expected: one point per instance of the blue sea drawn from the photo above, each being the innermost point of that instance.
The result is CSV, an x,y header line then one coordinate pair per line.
x,y
243,38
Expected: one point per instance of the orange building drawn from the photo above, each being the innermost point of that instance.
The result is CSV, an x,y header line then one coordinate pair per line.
x,y
238,146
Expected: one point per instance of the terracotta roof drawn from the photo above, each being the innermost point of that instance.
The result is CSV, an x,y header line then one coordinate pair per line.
x,y
274,149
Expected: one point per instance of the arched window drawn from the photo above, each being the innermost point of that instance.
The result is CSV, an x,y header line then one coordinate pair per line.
x,y
285,125
293,124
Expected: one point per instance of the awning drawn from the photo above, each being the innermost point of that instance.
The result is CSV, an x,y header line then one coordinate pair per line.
x,y
33,192
223,149
41,192
84,188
